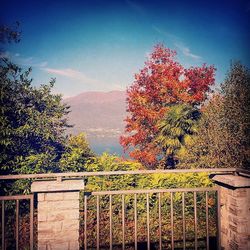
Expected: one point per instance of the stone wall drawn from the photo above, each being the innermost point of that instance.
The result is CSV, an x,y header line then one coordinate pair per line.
x,y
235,211
58,214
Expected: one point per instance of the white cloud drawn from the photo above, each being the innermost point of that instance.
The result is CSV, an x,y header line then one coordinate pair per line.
x,y
71,73
177,42
31,62
186,51
43,64
164,33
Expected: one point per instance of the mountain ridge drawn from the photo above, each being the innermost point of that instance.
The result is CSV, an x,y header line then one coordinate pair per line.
x,y
96,97
100,115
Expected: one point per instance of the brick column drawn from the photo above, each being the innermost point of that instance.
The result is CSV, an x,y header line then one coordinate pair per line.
x,y
58,214
235,211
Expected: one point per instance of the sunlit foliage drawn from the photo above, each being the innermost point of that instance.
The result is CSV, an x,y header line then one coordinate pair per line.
x,y
162,83
223,135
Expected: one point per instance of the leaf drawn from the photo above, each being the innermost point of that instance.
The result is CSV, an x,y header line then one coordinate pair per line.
x,y
159,87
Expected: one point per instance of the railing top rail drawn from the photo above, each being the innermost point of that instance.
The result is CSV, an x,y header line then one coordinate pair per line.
x,y
151,191
109,173
16,197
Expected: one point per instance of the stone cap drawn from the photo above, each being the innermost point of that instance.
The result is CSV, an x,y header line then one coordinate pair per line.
x,y
232,180
53,186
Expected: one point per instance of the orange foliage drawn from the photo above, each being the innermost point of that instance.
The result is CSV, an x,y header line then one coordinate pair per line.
x,y
161,83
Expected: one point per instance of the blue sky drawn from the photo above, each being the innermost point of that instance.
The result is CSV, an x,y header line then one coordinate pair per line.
x,y
100,45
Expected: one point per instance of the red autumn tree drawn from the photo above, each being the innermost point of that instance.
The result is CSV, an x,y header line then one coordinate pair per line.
x,y
162,83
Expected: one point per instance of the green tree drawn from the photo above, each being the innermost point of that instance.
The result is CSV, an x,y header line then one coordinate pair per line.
x,y
236,113
208,147
32,123
9,34
77,154
176,130
223,136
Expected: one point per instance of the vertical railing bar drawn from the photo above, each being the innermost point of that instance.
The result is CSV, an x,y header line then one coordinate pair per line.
x,y
17,224
195,221
218,220
110,222
207,230
85,221
172,219
160,236
3,225
148,223
123,222
135,210
32,222
183,220
98,222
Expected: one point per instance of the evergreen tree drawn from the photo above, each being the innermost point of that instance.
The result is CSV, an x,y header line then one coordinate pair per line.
x,y
223,138
32,123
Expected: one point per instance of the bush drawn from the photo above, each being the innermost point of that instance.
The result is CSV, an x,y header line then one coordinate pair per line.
x,y
150,181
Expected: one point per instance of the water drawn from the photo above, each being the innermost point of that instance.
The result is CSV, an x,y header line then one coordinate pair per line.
x,y
110,145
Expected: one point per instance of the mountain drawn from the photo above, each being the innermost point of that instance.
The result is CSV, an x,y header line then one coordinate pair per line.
x,y
101,116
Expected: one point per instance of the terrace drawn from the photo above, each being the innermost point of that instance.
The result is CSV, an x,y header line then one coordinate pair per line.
x,y
64,212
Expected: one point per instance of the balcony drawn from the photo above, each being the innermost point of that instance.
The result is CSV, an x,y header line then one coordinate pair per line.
x,y
64,211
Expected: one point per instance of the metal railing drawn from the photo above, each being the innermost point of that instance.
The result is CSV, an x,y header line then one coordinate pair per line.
x,y
159,193
97,195
4,202
109,173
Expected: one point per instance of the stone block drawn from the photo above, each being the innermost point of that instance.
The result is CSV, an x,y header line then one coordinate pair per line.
x,y
60,245
232,180
61,215
54,196
56,216
66,235
42,216
224,230
73,245
47,236
43,246
50,227
233,201
40,197
44,225
232,228
42,206
53,186
70,224
57,226
234,210
71,195
72,213
65,205
240,193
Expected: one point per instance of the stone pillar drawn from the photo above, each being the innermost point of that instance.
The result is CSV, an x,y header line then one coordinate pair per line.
x,y
58,214
235,211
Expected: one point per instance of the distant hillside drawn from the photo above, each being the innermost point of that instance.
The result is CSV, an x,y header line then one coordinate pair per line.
x,y
100,115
